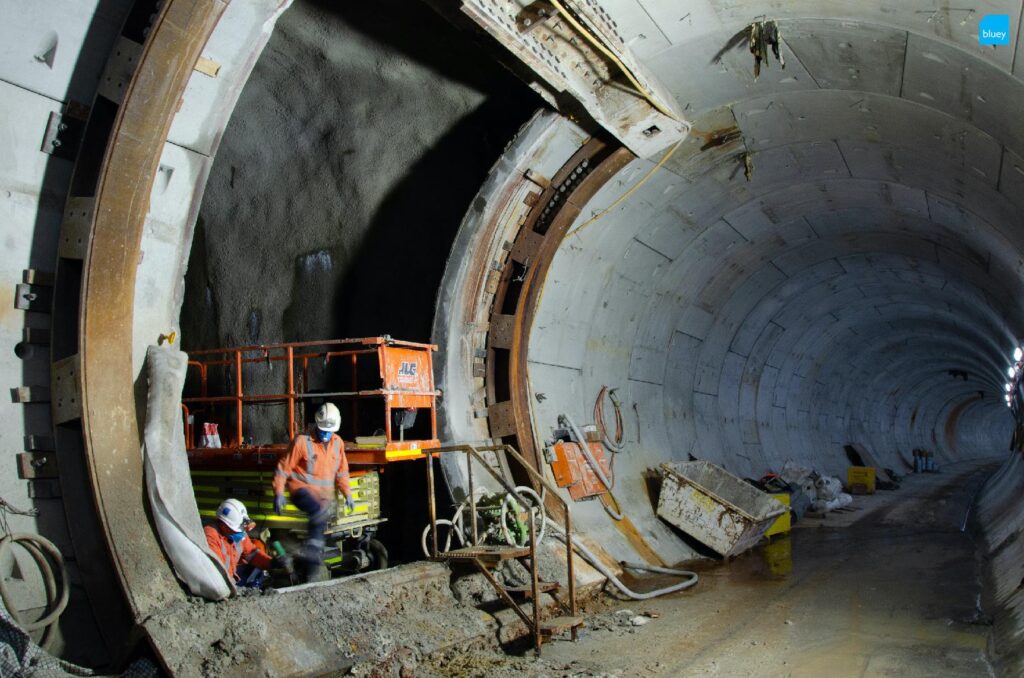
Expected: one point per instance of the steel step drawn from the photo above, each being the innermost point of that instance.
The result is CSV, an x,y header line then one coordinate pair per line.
x,y
550,627
486,554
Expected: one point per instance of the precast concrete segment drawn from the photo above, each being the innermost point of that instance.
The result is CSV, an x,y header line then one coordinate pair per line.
x,y
466,297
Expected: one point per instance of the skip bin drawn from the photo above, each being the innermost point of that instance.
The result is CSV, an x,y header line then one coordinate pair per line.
x,y
715,507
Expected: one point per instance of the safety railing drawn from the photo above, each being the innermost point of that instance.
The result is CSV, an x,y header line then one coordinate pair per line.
x,y
474,453
404,381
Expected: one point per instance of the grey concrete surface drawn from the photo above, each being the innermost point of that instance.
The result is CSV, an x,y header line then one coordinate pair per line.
x,y
863,286
892,590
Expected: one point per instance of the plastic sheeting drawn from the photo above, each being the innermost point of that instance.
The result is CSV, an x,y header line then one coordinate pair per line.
x,y
21,657
170,490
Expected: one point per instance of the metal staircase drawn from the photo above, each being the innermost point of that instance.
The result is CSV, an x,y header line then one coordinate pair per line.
x,y
486,557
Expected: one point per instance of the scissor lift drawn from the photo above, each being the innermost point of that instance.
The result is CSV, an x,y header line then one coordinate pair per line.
x,y
260,397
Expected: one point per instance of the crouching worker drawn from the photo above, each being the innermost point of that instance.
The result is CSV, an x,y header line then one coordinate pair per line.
x,y
229,541
312,470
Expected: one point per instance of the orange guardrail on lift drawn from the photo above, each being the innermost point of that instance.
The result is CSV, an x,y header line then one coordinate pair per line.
x,y
389,385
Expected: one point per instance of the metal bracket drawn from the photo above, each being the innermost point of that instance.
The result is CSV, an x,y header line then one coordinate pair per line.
x,y
44,489
528,243
67,400
39,443
33,465
120,68
30,394
64,131
501,419
36,298
502,328
32,276
74,229
35,335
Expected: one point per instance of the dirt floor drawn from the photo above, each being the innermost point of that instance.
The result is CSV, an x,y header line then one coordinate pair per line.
x,y
891,589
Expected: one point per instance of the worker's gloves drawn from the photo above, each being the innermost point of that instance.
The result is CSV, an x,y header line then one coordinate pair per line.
x,y
349,504
284,562
279,503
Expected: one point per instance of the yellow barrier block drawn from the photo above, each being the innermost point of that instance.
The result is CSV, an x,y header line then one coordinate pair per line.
x,y
861,479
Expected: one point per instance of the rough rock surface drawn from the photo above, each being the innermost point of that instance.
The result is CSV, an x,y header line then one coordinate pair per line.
x,y
348,164
381,624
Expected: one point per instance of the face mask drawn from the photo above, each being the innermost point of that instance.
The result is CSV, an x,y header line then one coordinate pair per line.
x,y
323,436
236,537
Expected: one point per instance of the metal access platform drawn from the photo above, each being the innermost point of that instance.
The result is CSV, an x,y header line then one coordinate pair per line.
x,y
261,397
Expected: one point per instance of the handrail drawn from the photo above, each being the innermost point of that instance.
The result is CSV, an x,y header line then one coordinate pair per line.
x,y
419,392
365,341
473,452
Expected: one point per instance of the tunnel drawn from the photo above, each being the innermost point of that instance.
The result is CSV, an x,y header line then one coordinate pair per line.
x,y
800,250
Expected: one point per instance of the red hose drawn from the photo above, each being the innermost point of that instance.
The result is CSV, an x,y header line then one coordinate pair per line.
x,y
613,444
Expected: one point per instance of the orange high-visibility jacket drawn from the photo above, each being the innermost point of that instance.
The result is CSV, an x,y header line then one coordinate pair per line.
x,y
231,555
313,466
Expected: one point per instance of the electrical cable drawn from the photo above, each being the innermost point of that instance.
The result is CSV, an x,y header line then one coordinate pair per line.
x,y
630,192
595,562
615,445
616,512
593,40
39,548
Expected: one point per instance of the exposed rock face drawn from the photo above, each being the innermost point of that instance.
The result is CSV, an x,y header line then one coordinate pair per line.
x,y
351,157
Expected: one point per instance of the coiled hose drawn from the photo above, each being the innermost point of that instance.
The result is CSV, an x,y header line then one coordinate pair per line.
x,y
574,430
595,562
39,548
616,444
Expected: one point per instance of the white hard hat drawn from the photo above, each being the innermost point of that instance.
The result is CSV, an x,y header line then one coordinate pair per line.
x,y
328,418
232,513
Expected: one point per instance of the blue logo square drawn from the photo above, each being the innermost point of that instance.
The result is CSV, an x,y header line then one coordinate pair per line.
x,y
994,30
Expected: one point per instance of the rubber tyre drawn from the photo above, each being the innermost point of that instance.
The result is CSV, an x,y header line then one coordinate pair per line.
x,y
378,555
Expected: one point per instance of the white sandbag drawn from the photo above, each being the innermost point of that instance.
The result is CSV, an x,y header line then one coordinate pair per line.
x,y
825,505
809,489
828,487
171,498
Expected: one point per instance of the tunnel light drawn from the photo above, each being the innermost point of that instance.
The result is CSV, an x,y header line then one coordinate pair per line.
x,y
1010,372
1007,388
1018,353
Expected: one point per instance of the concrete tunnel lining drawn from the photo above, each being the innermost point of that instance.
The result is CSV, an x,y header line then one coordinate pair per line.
x,y
983,209
831,153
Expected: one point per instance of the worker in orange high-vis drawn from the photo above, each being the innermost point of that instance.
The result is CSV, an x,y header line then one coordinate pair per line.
x,y
312,470
228,539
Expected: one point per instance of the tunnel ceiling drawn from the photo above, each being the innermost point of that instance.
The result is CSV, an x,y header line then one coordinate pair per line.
x,y
861,285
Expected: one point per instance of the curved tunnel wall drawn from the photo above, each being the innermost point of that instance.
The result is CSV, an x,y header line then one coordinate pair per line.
x,y
880,235
860,286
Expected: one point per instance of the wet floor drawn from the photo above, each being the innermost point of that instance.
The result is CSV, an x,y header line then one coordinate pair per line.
x,y
890,590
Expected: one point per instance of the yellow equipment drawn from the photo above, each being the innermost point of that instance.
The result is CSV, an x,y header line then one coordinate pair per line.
x,y
784,523
861,479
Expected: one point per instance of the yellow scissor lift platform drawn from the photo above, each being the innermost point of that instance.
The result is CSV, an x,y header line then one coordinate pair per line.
x,y
389,387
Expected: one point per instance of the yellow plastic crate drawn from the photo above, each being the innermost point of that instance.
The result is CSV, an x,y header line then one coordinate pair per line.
x,y
783,523
861,479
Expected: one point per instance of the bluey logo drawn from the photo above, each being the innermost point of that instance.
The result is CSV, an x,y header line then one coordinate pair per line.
x,y
407,370
994,30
